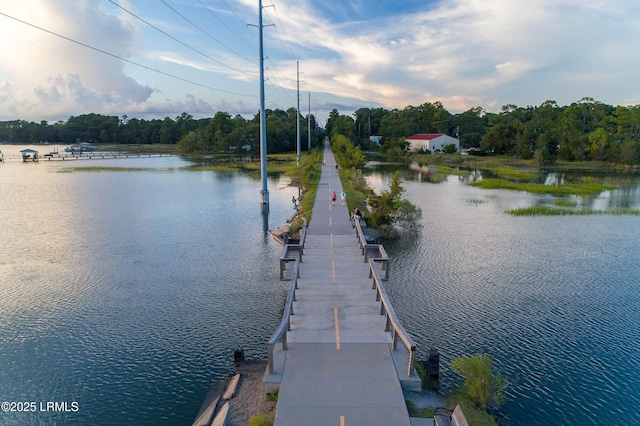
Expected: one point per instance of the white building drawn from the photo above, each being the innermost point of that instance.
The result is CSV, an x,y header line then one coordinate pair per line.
x,y
434,142
375,139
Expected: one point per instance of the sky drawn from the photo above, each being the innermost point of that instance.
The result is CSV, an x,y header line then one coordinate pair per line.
x,y
160,58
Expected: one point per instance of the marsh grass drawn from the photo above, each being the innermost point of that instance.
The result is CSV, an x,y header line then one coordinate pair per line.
x,y
447,170
115,169
583,189
493,162
278,163
513,173
565,203
436,177
475,201
552,211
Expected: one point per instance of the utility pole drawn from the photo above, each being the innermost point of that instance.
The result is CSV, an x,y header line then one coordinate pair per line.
x,y
264,194
298,114
309,126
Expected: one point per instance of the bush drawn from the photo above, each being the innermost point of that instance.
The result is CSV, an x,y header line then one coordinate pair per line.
x,y
481,386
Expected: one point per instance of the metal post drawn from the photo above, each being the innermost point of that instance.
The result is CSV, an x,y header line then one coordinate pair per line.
x,y
309,126
263,126
298,114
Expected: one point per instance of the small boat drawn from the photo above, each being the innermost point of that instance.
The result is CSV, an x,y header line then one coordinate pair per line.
x,y
86,147
80,148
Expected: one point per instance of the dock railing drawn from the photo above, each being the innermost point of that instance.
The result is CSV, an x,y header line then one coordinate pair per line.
x,y
289,248
391,321
378,253
285,324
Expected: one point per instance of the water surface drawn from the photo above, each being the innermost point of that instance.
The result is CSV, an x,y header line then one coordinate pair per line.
x,y
555,301
127,292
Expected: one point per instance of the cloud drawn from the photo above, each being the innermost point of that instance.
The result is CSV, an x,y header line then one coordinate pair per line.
x,y
49,76
463,53
471,52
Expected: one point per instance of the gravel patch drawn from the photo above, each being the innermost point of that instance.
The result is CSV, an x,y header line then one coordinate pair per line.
x,y
249,400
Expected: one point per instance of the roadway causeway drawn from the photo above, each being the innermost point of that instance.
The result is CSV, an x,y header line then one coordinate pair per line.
x,y
339,368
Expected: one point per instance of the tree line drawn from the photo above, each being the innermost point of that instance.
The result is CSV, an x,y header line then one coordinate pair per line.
x,y
586,130
222,132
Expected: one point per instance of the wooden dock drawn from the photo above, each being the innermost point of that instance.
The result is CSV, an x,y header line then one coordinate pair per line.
x,y
95,155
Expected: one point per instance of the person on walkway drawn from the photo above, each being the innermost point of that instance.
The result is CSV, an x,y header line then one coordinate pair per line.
x,y
343,197
356,215
333,198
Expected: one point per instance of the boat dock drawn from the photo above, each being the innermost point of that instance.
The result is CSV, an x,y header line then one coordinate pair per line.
x,y
98,155
340,355
35,156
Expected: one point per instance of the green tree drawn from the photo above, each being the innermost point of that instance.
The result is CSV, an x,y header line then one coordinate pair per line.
x,y
194,142
347,155
368,121
599,141
388,209
168,131
426,118
394,147
471,126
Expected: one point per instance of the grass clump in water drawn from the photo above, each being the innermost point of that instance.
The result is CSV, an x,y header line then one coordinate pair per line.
x,y
552,211
513,173
565,203
109,169
587,189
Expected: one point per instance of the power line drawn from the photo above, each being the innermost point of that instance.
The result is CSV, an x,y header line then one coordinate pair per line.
x,y
284,35
229,28
181,42
207,34
123,59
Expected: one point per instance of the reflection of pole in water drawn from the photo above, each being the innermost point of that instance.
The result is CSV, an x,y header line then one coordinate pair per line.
x,y
264,212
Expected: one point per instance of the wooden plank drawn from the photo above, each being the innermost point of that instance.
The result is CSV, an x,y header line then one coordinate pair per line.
x,y
221,417
231,389
458,418
206,417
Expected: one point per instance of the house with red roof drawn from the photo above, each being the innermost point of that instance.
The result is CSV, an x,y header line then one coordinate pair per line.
x,y
434,142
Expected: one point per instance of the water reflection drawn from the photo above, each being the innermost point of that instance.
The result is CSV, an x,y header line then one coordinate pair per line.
x,y
626,194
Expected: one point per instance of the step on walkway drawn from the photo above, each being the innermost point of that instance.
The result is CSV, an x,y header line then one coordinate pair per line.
x,y
338,368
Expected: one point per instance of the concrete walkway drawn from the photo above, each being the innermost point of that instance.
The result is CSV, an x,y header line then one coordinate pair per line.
x,y
338,368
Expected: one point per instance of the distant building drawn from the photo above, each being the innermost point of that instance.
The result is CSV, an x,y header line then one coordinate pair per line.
x,y
434,142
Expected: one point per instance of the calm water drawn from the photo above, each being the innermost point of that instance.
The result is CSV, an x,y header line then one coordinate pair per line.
x,y
127,292
554,300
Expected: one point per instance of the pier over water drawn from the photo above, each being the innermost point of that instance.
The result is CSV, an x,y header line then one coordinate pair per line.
x,y
340,355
